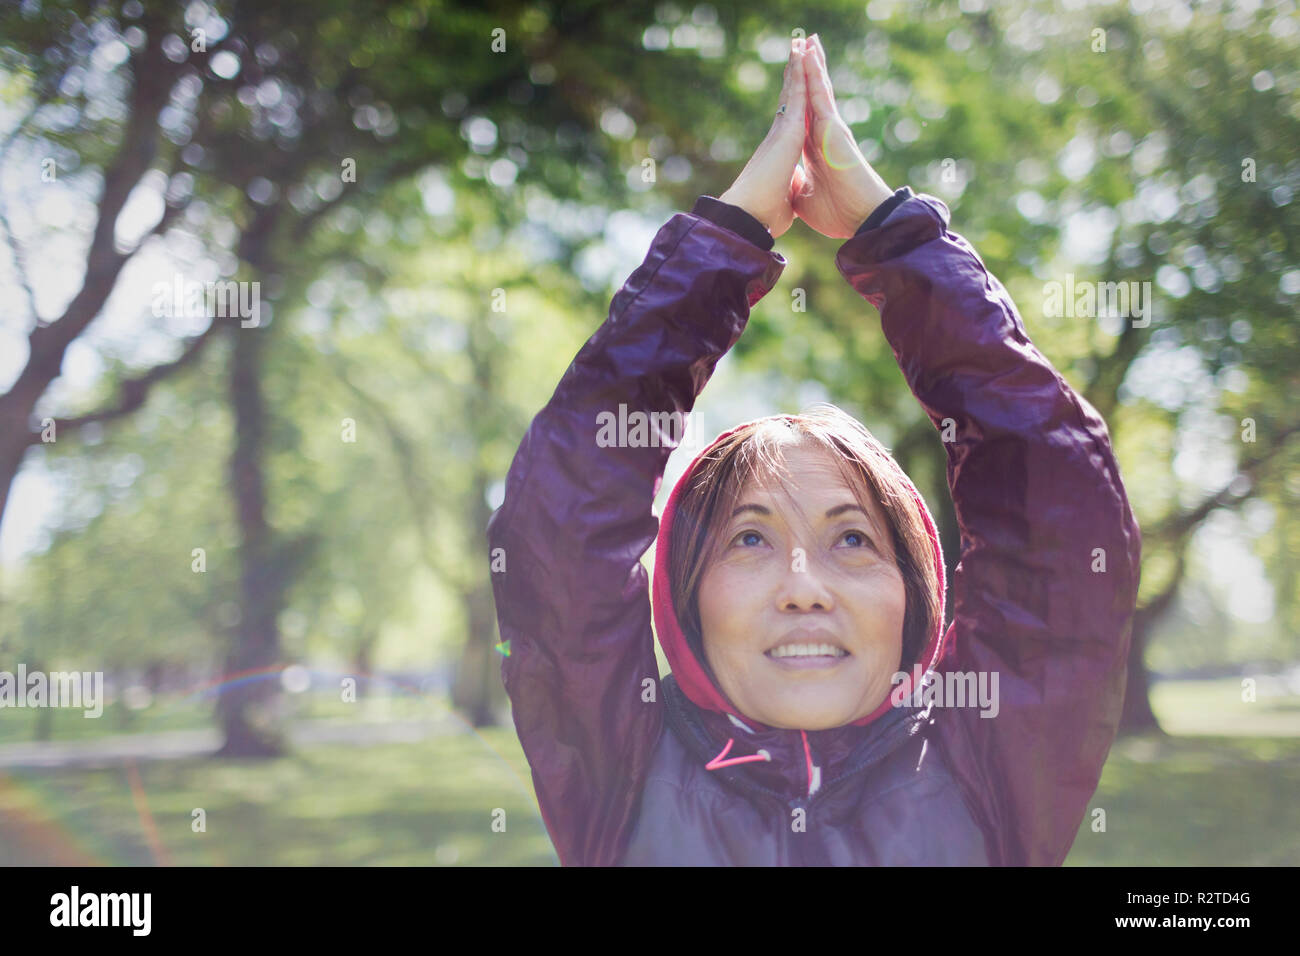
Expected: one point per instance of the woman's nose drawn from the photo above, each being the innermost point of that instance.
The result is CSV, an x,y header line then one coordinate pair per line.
x,y
803,585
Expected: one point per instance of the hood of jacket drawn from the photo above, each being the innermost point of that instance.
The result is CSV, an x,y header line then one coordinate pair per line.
x,y
718,714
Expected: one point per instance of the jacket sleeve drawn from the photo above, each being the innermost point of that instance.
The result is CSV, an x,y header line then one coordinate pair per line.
x,y
1045,591
573,600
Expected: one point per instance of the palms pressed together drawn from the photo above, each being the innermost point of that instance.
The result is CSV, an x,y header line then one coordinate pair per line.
x,y
809,165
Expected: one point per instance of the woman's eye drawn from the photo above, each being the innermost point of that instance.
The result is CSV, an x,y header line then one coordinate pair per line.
x,y
866,541
752,538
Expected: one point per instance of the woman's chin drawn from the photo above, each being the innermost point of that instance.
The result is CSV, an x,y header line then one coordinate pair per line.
x,y
810,722
815,715
817,709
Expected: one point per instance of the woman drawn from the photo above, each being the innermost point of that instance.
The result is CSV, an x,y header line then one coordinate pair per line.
x,y
798,583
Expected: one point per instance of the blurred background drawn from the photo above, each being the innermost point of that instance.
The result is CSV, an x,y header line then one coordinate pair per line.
x,y
264,524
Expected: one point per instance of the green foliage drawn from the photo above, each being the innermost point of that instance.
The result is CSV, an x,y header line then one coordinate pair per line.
x,y
383,299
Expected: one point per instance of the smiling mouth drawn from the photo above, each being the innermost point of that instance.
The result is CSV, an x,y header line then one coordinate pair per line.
x,y
796,652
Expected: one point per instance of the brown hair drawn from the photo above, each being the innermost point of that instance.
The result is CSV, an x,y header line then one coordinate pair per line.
x,y
753,454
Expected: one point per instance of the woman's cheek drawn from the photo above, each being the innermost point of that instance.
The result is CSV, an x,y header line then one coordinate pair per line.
x,y
727,601
740,577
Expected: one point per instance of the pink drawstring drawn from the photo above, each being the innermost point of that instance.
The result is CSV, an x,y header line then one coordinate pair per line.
x,y
717,762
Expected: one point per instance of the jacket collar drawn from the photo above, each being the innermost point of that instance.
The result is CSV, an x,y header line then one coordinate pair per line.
x,y
802,763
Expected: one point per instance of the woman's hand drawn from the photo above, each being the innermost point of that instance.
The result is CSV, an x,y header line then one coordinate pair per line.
x,y
764,188
835,189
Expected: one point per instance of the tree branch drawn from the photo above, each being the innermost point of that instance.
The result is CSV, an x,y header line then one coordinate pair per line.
x,y
1102,388
152,73
134,391
387,174
406,465
1180,525
20,263
11,238
1157,606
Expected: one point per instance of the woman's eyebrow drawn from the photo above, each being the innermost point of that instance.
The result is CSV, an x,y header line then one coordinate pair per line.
x,y
840,509
837,510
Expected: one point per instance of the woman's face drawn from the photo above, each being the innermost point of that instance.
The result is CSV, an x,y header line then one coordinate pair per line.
x,y
792,579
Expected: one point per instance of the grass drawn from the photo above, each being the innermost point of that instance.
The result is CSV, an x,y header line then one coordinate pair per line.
x,y
195,712
1214,708
1220,791
18,725
429,803
1204,801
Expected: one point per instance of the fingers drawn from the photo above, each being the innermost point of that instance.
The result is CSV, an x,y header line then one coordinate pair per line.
x,y
796,92
767,177
818,80
794,85
819,55
789,126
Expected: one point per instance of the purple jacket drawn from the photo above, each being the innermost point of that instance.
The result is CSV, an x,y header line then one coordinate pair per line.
x,y
633,770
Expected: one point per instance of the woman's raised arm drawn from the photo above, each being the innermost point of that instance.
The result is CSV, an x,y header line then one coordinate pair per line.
x,y
1045,591
1046,588
571,594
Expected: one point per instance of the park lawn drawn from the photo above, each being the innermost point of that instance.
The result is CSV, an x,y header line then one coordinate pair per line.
x,y
179,711
18,725
429,803
1174,802
1182,800
1206,801
1220,790
1214,708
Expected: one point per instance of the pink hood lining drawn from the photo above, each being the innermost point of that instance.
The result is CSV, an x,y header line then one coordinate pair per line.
x,y
688,671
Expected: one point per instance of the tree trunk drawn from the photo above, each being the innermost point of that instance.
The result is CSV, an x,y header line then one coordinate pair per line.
x,y
477,689
44,723
1137,717
249,710
44,729
16,408
363,655
13,446
152,77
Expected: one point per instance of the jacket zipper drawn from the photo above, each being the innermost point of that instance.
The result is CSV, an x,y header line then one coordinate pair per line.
x,y
738,780
841,781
